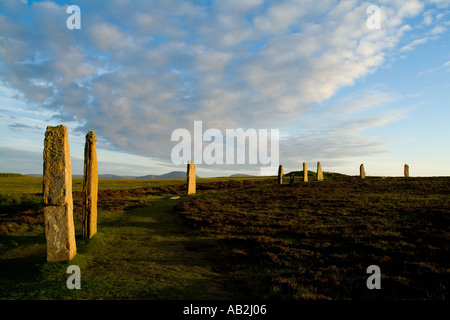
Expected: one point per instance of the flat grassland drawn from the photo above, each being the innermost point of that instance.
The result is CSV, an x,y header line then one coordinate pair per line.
x,y
236,238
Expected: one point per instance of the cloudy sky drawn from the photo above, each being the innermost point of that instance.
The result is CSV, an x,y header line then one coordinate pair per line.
x,y
338,90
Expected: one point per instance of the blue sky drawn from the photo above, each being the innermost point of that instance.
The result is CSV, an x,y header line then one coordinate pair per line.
x,y
338,92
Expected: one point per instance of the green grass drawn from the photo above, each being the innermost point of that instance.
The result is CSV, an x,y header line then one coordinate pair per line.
x,y
315,240
17,203
137,254
17,184
237,238
23,194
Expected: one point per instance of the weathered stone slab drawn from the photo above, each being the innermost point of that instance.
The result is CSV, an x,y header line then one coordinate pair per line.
x,y
59,233
305,172
280,174
319,172
406,171
57,194
90,186
191,175
362,172
57,168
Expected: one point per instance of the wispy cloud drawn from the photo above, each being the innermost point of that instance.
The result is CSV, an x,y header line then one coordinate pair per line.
x,y
138,70
415,43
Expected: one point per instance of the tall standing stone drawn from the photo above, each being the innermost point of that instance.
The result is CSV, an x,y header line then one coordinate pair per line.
x,y
362,173
406,171
191,186
280,174
57,196
90,186
319,172
305,172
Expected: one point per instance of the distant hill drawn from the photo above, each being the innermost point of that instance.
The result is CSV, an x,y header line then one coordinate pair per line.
x,y
10,174
182,175
40,175
170,175
240,175
113,176
33,175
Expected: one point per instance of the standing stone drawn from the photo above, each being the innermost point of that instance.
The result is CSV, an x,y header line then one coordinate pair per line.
x,y
319,172
90,186
191,187
362,173
280,174
406,171
57,196
305,172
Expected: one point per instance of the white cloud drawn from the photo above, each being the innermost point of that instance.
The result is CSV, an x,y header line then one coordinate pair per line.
x,y
440,3
415,43
107,36
410,8
135,72
438,30
240,6
428,18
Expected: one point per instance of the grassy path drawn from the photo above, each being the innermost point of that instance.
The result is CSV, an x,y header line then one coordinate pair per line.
x,y
139,254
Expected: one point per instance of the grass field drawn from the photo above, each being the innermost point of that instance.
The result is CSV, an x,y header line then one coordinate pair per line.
x,y
315,240
237,238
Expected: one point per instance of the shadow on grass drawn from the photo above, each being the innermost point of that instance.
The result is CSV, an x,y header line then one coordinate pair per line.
x,y
11,241
21,269
140,253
